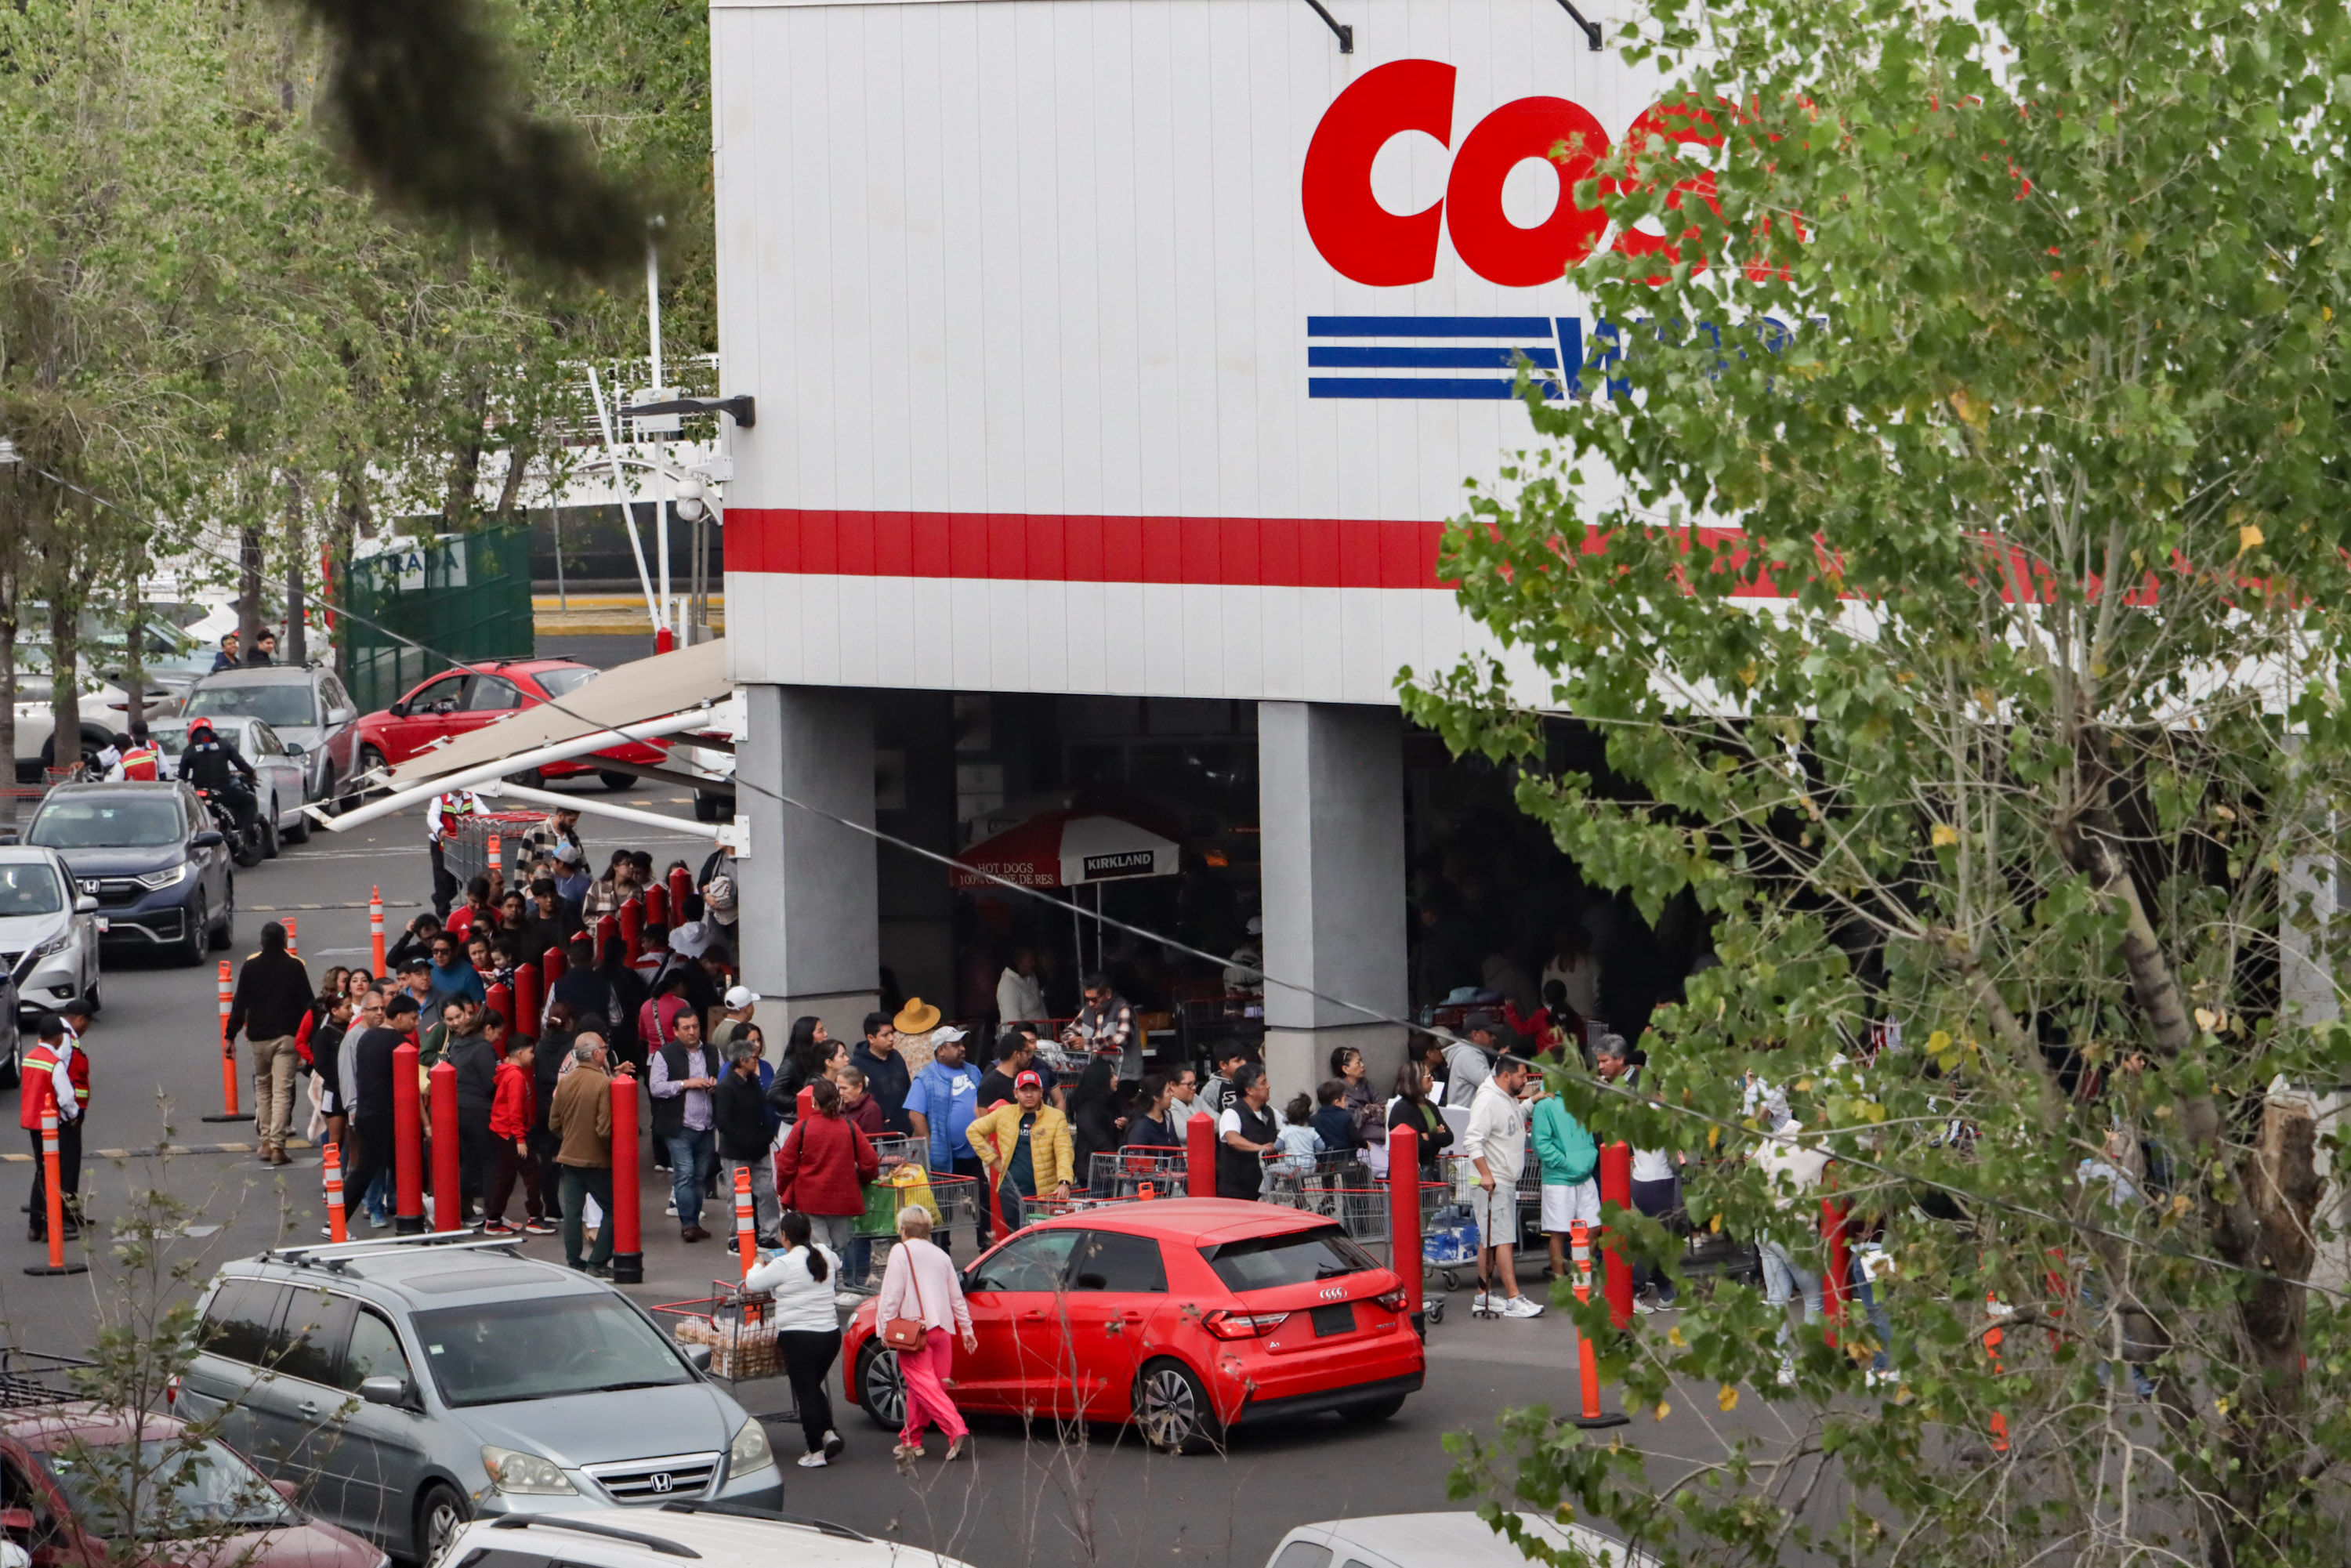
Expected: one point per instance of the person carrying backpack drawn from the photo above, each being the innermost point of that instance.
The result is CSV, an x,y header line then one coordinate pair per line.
x,y
1570,1159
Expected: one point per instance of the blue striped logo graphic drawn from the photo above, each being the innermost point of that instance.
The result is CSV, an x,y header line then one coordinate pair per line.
x,y
1426,356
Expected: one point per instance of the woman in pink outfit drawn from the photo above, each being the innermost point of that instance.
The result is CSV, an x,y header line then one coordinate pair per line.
x,y
920,1281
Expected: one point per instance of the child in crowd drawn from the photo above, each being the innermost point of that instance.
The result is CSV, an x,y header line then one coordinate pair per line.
x,y
1298,1141
513,1108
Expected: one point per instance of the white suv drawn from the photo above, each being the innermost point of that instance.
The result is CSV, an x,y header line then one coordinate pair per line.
x,y
721,1535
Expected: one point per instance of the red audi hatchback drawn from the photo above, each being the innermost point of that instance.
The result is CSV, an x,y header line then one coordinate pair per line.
x,y
459,701
1184,1316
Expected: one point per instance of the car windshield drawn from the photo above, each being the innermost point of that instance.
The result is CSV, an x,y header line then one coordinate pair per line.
x,y
175,1488
1300,1258
280,703
563,683
142,821
29,887
502,1352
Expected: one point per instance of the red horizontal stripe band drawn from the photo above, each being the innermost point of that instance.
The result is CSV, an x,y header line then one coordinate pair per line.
x,y
1017,546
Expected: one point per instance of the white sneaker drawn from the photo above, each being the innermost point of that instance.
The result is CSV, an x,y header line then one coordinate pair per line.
x,y
1519,1307
1481,1302
670,1209
815,1461
846,1299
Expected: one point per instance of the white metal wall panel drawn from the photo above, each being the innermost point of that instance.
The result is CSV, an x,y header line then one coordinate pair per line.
x,y
994,264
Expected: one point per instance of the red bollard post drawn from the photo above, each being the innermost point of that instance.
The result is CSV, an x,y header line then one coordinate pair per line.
x,y
1588,1364
1837,1286
551,968
1617,1188
1404,1218
1200,1156
656,905
628,1243
632,928
407,1142
525,1021
607,933
52,1179
448,1203
333,1166
681,884
500,999
375,930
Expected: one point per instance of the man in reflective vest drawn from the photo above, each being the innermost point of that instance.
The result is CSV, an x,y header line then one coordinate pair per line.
x,y
136,758
55,1066
447,812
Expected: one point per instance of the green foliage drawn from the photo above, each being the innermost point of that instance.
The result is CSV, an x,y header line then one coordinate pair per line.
x,y
2002,345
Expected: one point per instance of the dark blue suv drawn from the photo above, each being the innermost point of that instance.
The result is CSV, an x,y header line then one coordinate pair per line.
x,y
151,856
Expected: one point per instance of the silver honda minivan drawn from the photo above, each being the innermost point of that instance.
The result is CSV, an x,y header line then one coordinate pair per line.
x,y
407,1385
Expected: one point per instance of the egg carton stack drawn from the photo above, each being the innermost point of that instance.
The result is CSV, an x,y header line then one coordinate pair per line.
x,y
740,1334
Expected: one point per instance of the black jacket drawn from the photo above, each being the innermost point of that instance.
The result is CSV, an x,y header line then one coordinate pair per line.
x,y
272,995
1094,1128
887,1080
325,1046
738,1111
477,1078
212,765
668,1111
545,1068
372,1062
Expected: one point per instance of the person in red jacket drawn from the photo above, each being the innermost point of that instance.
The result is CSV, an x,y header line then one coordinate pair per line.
x,y
823,1168
514,1107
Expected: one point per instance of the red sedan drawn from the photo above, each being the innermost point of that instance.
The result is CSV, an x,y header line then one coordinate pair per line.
x,y
460,700
68,1472
1184,1316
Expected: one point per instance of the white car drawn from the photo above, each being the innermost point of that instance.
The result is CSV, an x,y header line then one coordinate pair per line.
x,y
719,1534
282,776
1435,1540
105,713
48,929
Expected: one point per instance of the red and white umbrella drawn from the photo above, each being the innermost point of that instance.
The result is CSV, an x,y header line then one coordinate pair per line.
x,y
1067,849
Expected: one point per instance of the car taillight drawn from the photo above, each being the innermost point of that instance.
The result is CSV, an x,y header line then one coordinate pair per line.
x,y
1395,1300
172,1389
1243,1325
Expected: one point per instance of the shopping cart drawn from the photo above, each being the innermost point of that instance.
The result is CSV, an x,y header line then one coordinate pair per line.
x,y
1139,1170
953,1200
738,1328
1311,1181
467,849
1033,1210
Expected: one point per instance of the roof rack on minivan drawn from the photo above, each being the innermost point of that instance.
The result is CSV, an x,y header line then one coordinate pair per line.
x,y
660,1543
335,1253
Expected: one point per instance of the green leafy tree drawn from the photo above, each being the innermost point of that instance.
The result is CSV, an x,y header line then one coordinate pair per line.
x,y
1998,346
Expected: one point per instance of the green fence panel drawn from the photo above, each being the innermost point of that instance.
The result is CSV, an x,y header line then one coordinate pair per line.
x,y
459,598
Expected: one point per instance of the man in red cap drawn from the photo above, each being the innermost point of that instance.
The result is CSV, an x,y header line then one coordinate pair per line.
x,y
1026,1148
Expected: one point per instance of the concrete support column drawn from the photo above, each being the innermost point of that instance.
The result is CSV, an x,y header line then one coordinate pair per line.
x,y
811,939
1330,804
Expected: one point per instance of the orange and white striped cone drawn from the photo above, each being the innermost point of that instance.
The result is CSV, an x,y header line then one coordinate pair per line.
x,y
52,1179
228,1111
747,1233
1992,1339
497,868
333,1166
293,938
375,929
1587,1362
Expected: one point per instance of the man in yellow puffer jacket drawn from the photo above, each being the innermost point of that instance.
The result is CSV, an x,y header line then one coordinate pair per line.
x,y
1026,1148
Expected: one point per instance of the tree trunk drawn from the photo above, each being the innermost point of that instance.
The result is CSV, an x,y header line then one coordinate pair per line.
x,y
8,585
351,520
297,647
249,592
65,686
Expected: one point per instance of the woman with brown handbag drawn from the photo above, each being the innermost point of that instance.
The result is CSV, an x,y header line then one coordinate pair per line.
x,y
922,1298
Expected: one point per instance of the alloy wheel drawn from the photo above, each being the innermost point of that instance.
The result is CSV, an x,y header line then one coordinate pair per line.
x,y
1169,1411
885,1390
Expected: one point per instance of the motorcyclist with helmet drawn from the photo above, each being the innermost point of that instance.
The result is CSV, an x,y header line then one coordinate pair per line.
x,y
212,765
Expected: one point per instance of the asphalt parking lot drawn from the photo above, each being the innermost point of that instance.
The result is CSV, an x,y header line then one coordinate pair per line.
x,y
1042,1496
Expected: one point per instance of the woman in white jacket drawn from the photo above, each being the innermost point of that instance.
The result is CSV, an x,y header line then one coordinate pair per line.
x,y
921,1282
802,1278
